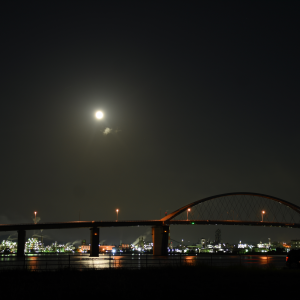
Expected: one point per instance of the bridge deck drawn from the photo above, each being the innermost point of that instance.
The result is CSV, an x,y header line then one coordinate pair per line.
x,y
91,224
78,224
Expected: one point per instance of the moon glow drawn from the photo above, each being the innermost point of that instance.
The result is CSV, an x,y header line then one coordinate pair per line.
x,y
99,114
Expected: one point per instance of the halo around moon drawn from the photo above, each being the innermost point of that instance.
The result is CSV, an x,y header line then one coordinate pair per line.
x,y
99,114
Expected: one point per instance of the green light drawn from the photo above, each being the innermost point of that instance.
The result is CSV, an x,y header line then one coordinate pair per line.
x,y
193,223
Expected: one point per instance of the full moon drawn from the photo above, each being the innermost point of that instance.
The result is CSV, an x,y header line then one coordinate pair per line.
x,y
99,114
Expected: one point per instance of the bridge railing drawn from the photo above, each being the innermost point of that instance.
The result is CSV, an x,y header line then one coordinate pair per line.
x,y
84,262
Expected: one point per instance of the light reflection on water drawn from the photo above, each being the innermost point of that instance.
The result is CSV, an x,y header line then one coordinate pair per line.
x,y
84,261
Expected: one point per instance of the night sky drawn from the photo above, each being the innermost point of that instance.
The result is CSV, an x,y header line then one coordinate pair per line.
x,y
199,100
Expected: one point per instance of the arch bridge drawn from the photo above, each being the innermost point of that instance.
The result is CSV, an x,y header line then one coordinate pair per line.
x,y
241,208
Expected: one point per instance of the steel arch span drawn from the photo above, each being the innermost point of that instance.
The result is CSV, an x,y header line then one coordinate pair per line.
x,y
239,208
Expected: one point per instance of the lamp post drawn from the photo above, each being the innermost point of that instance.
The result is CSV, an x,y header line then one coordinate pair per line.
x,y
187,213
117,210
35,217
262,215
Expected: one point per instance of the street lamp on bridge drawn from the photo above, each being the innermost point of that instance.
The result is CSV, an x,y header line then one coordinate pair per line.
x,y
35,217
262,215
117,210
187,213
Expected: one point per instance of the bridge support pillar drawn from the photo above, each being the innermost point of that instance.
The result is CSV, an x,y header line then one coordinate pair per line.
x,y
160,239
21,243
94,242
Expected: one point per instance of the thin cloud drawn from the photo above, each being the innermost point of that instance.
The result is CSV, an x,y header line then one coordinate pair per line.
x,y
37,219
76,242
144,236
45,236
108,130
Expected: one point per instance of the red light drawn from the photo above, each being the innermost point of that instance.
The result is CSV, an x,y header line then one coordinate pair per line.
x,y
286,259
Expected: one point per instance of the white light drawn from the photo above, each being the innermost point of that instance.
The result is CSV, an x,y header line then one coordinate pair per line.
x,y
99,114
